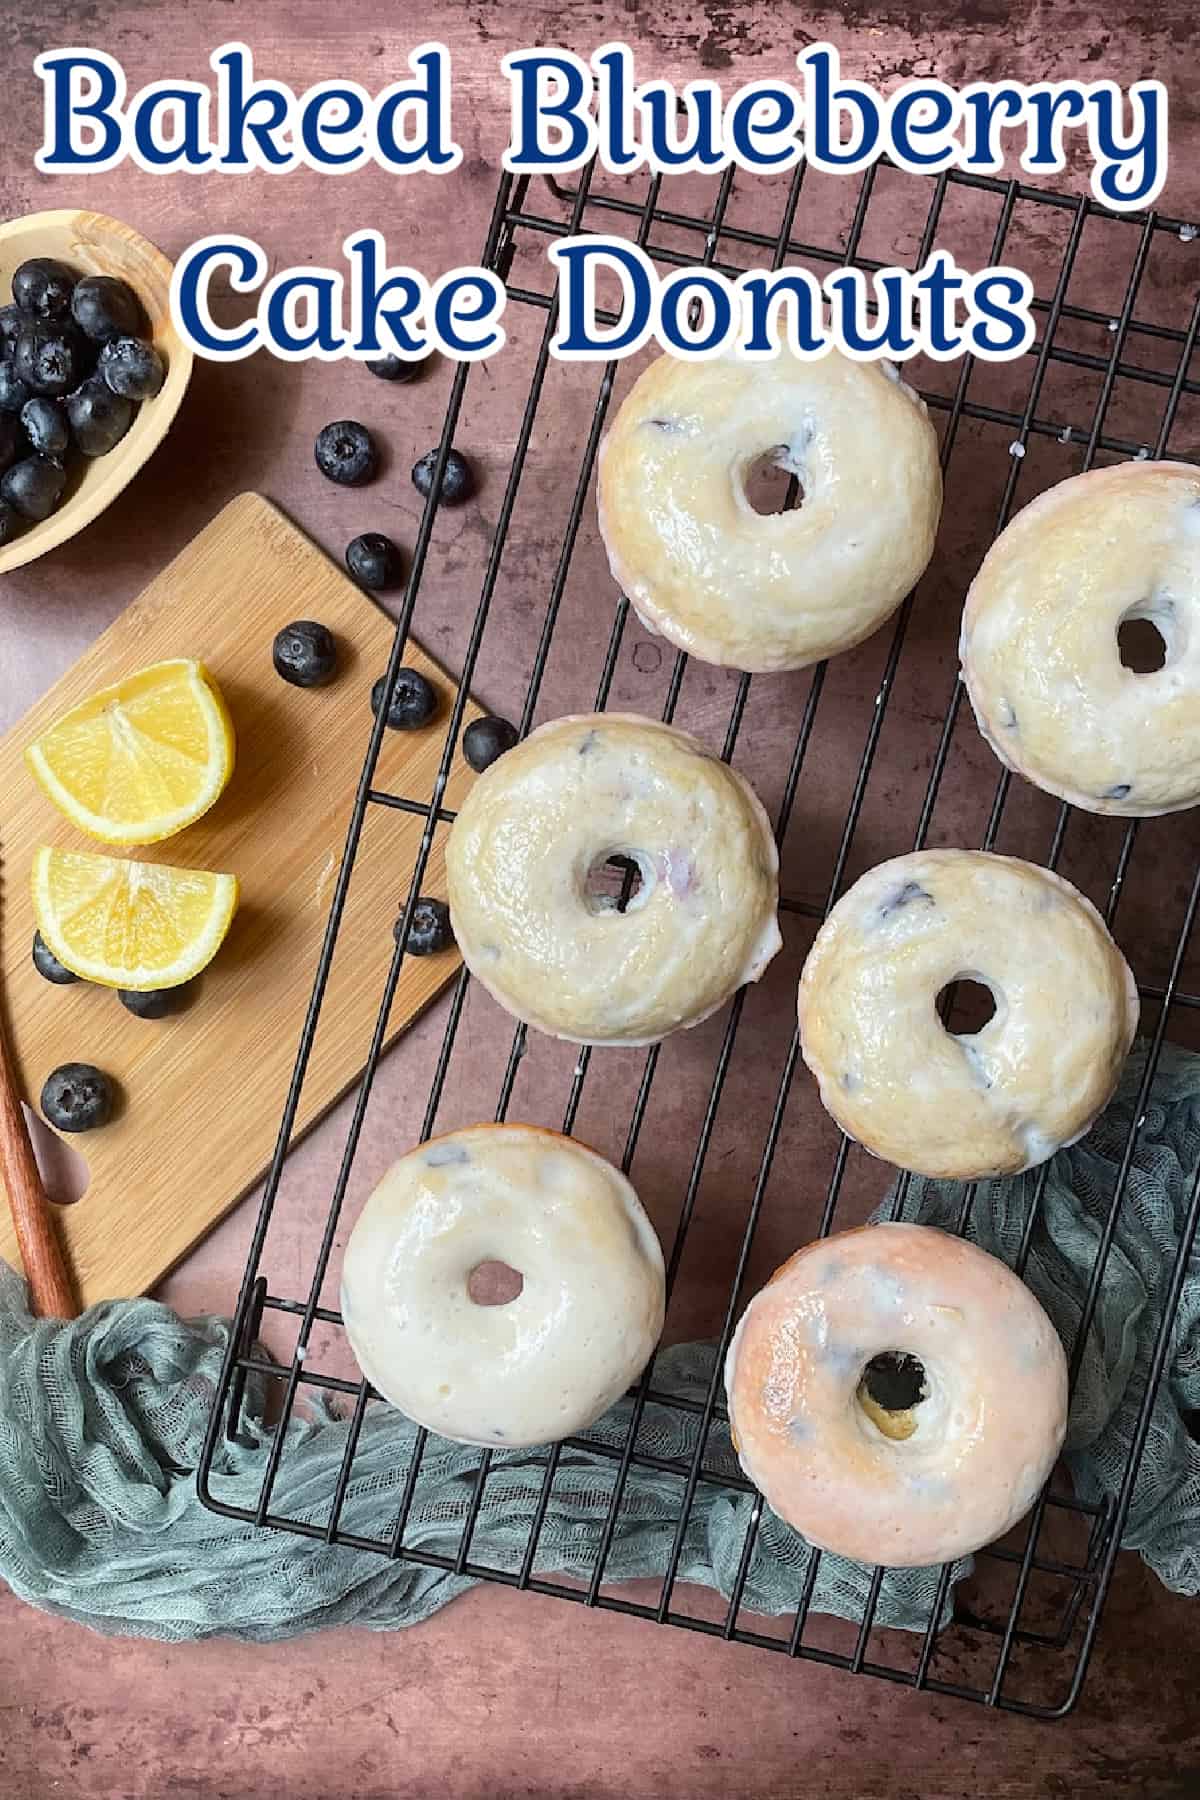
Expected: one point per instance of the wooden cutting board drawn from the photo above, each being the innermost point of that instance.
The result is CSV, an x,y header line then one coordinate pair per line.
x,y
202,1092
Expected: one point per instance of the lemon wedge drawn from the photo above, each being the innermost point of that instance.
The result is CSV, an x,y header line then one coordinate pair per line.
x,y
130,924
140,760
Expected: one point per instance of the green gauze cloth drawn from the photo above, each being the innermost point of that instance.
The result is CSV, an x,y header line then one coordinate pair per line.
x,y
101,1422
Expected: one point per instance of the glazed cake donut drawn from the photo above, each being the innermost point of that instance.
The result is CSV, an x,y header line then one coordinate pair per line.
x,y
536,1367
1039,648
1000,1099
768,591
574,794
897,1395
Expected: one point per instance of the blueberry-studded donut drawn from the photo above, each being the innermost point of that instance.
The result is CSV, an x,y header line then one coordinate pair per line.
x,y
526,1362
999,1099
556,948
778,590
1040,652
897,1394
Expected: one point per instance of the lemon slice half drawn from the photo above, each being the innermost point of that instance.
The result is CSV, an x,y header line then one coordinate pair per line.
x,y
138,761
130,924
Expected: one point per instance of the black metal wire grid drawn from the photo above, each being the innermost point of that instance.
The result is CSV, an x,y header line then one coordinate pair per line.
x,y
1056,1657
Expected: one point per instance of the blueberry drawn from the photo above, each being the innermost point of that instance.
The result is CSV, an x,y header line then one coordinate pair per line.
x,y
46,427
34,486
305,654
48,965
395,368
12,441
486,739
132,368
44,287
429,928
104,307
152,1003
11,321
414,700
50,358
98,418
10,523
458,483
77,1097
375,561
13,391
345,452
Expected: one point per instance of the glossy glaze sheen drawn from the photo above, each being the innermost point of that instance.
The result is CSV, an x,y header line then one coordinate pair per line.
x,y
985,1437
576,791
781,590
1039,640
545,1364
1007,1096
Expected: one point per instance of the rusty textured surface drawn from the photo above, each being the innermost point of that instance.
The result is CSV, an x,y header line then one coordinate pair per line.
x,y
505,1694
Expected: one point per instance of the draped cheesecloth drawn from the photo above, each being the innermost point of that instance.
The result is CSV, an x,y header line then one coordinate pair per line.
x,y
101,1422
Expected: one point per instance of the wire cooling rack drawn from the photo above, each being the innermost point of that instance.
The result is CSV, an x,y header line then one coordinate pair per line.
x,y
1117,309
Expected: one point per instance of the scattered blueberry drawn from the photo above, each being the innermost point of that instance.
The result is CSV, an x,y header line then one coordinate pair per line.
x,y
395,368
458,483
485,740
46,426
77,1097
13,391
132,368
152,1003
374,560
429,928
10,326
44,287
10,523
414,700
104,307
48,965
305,654
345,452
99,418
12,441
34,486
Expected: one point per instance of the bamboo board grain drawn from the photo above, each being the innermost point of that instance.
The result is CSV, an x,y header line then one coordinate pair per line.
x,y
202,1093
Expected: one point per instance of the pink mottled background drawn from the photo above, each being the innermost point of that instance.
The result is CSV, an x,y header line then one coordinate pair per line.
x,y
507,1694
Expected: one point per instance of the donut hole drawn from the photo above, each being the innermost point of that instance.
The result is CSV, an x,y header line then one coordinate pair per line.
x,y
1141,645
965,1005
494,1283
771,484
895,1380
617,881
890,1389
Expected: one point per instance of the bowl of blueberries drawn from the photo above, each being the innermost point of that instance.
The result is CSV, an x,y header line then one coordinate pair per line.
x,y
92,372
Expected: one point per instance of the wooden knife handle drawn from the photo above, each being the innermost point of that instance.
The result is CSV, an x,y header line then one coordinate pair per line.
x,y
50,1295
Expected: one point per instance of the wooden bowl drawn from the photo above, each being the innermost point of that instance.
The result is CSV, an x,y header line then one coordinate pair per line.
x,y
95,245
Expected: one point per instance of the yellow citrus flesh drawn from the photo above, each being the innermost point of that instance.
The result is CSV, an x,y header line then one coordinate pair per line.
x,y
138,761
130,924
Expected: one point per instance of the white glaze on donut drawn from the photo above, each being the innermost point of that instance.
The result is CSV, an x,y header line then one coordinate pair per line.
x,y
980,1444
1007,1096
542,1366
575,792
1039,648
775,591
